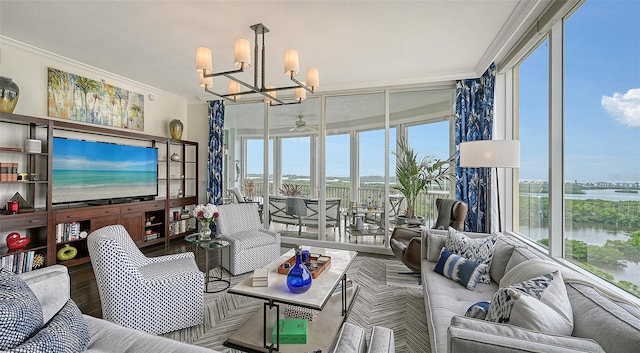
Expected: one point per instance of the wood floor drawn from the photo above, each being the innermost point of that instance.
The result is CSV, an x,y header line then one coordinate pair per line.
x,y
84,290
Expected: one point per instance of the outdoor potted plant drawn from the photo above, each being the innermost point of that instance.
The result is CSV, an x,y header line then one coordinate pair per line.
x,y
414,175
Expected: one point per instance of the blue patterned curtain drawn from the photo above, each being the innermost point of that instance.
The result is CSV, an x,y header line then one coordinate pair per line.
x,y
474,121
216,151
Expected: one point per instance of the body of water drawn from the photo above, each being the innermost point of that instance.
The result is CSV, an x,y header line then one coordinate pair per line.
x,y
594,234
596,194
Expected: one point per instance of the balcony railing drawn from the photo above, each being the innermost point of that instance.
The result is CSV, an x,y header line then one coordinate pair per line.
x,y
425,206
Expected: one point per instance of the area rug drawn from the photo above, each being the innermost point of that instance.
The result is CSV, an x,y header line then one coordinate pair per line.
x,y
398,275
395,307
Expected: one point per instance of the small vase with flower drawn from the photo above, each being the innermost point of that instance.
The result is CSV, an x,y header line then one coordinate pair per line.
x,y
205,214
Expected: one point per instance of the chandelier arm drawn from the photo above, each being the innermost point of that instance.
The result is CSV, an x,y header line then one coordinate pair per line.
x,y
254,89
219,95
225,73
302,85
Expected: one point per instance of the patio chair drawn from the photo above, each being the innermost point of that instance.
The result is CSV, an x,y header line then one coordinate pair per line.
x,y
151,294
250,245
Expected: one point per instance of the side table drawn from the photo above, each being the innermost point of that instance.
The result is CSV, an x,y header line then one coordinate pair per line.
x,y
211,245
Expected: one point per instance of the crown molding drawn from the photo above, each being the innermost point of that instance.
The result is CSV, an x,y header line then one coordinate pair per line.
x,y
520,19
106,75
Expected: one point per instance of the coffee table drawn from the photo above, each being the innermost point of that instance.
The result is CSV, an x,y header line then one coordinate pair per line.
x,y
317,297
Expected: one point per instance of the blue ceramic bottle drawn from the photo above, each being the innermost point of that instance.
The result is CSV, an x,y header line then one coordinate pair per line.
x,y
299,277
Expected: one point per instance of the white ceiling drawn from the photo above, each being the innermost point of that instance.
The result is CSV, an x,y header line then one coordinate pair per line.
x,y
355,44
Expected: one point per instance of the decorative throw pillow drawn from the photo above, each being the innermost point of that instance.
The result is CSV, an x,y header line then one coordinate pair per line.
x,y
20,311
459,269
478,310
521,304
479,250
66,332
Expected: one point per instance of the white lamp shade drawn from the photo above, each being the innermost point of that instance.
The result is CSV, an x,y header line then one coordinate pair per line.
x,y
301,93
234,88
490,154
272,93
242,53
313,78
291,62
203,59
206,82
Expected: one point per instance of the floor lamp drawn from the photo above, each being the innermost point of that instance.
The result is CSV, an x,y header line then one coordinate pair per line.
x,y
490,154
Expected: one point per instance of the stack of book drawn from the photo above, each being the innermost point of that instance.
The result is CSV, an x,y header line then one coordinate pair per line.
x,y
260,277
67,231
8,171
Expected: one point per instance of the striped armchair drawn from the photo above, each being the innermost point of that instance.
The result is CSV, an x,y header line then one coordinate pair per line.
x,y
151,294
250,245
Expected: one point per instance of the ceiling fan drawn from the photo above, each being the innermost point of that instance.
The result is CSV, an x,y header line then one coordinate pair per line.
x,y
301,126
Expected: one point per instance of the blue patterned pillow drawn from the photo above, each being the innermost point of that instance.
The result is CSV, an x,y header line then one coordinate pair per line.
x,y
459,269
478,310
66,332
20,310
479,250
526,304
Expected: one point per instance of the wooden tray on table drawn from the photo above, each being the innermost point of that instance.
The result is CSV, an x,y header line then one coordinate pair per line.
x,y
313,258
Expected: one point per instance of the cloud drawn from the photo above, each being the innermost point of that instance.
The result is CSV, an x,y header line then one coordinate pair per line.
x,y
625,108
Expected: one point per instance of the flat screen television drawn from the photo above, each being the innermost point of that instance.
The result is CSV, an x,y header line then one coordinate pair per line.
x,y
89,171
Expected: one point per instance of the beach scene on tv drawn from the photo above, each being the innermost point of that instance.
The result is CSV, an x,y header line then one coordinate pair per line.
x,y
88,170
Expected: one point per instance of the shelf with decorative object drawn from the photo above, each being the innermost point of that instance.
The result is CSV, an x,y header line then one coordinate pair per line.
x,y
28,142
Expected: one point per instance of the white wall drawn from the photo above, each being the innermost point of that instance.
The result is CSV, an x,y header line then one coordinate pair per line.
x,y
27,67
197,118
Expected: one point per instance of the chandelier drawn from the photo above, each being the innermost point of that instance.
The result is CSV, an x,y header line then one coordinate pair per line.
x,y
242,59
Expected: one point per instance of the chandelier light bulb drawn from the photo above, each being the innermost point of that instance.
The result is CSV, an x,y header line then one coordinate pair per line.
x,y
234,88
313,78
203,60
242,53
272,94
291,62
301,93
206,82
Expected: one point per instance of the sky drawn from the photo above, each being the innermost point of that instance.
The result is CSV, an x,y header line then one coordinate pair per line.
x,y
602,108
601,97
70,154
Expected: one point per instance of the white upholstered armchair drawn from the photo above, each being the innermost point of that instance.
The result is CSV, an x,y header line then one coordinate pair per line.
x,y
250,245
151,294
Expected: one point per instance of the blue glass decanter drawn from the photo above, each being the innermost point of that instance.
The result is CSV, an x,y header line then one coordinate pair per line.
x,y
299,277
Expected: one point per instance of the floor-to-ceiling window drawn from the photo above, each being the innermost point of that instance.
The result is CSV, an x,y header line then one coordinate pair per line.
x,y
577,110
602,140
533,132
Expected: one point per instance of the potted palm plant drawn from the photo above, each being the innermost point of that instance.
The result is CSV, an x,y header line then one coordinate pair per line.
x,y
414,175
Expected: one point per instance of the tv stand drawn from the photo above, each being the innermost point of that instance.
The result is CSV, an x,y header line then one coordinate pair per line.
x,y
98,202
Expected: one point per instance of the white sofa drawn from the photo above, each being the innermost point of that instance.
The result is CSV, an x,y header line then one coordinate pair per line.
x,y
602,322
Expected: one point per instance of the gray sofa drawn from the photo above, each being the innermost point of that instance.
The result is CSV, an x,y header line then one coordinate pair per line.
x,y
602,321
51,286
278,212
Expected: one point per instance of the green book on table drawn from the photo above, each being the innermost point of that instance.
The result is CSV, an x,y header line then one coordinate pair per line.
x,y
292,331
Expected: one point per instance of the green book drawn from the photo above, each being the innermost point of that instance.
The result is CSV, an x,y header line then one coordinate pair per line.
x,y
292,331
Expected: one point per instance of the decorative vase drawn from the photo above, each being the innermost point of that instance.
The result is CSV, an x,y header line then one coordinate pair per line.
x,y
175,157
14,241
205,232
175,128
299,278
67,252
9,94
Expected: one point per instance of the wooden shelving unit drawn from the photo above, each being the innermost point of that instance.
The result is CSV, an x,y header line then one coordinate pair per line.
x,y
140,217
